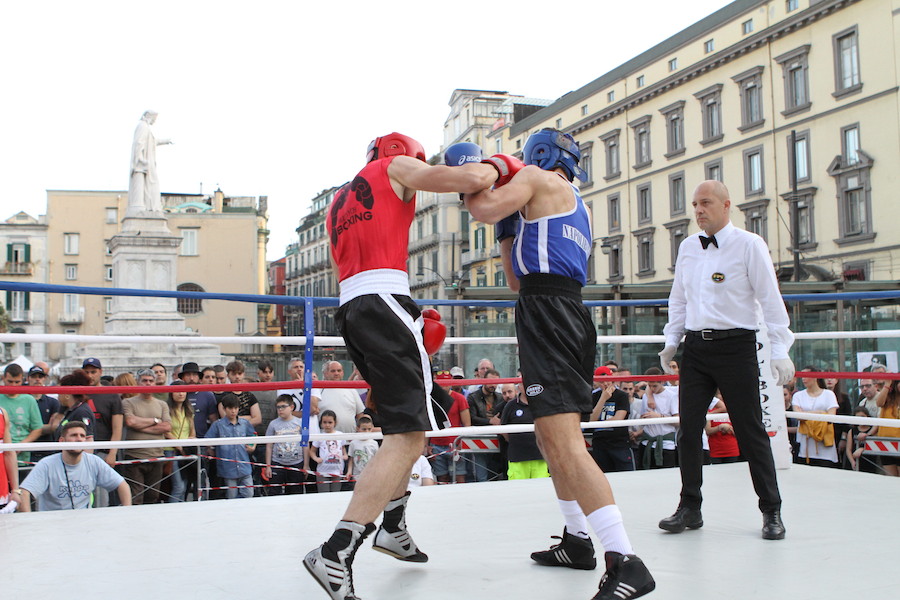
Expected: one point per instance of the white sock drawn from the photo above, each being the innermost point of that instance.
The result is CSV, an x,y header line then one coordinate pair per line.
x,y
608,525
576,524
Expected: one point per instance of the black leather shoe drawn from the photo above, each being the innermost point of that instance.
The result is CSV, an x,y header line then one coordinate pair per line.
x,y
684,518
773,527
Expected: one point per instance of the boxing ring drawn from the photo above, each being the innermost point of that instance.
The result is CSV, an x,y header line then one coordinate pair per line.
x,y
841,540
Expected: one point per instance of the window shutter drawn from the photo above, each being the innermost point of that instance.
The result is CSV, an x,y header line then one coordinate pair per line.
x,y
28,253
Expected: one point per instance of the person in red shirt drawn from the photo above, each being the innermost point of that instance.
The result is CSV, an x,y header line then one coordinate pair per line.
x,y
444,458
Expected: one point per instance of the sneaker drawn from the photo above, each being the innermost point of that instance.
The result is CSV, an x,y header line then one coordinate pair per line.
x,y
392,538
331,564
626,577
572,551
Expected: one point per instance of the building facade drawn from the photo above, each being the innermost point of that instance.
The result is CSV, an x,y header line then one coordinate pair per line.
x,y
25,240
222,250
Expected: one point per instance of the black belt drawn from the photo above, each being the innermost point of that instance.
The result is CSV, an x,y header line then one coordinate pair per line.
x,y
709,335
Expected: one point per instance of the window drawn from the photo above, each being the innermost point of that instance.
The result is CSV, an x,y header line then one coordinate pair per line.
x,y
674,115
644,204
479,238
802,203
18,304
676,193
645,251
70,243
19,255
750,84
189,242
108,275
711,113
615,212
71,304
641,129
640,81
112,216
107,305
846,63
71,272
584,112
420,229
499,277
792,5
795,71
678,231
673,64
713,169
850,144
434,223
559,123
747,27
756,217
708,46
754,182
801,151
586,163
190,306
499,148
613,246
240,325
611,144
611,96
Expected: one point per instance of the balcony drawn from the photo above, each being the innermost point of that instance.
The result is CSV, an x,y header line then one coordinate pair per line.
x,y
18,315
16,268
74,317
473,256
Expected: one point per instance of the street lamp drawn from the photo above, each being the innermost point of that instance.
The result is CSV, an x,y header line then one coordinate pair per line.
x,y
420,276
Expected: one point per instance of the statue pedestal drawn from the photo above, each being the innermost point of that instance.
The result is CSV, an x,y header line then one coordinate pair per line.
x,y
144,256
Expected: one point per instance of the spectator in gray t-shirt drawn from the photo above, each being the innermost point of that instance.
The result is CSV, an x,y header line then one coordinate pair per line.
x,y
66,480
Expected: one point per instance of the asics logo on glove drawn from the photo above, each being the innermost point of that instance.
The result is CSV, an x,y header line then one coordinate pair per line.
x,y
467,158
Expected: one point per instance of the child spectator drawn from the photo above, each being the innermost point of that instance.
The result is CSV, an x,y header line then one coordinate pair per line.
x,y
284,454
330,456
856,443
362,451
525,459
421,473
234,460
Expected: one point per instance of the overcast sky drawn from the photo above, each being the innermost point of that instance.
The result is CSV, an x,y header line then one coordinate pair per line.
x,y
278,98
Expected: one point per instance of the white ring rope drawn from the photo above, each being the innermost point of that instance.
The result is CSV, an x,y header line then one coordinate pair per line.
x,y
479,431
47,338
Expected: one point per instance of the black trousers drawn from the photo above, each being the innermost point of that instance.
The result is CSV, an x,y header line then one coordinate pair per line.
x,y
730,365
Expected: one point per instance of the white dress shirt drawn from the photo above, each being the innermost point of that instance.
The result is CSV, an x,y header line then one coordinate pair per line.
x,y
724,287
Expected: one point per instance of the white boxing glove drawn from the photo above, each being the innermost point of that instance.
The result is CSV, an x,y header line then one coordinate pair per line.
x,y
665,357
783,370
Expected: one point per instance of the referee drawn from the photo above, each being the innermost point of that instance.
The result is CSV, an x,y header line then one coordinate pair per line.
x,y
722,280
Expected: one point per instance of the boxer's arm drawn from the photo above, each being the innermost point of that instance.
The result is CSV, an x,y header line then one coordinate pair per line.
x,y
491,205
506,258
414,175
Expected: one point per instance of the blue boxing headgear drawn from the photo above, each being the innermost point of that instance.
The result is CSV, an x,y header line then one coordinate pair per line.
x,y
550,148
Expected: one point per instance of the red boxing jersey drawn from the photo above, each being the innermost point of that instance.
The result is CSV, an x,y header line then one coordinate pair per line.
x,y
369,224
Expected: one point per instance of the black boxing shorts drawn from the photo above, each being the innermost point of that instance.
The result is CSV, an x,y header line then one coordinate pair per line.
x,y
385,343
557,345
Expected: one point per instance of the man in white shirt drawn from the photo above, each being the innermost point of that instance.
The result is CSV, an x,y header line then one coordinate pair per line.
x,y
345,402
721,279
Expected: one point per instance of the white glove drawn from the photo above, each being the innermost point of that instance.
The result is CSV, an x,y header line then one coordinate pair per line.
x,y
783,370
665,357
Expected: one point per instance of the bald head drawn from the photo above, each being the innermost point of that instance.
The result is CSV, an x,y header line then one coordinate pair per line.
x,y
711,206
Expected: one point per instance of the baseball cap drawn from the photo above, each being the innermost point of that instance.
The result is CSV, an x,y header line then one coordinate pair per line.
x,y
602,372
36,370
457,372
91,362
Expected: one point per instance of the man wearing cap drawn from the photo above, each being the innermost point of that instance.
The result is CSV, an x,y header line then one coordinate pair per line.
x,y
108,424
609,445
146,418
47,405
203,403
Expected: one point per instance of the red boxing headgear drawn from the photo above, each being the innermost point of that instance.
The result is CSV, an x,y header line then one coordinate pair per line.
x,y
394,144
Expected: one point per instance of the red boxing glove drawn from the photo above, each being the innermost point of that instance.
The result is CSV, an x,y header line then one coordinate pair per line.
x,y
507,166
433,334
430,313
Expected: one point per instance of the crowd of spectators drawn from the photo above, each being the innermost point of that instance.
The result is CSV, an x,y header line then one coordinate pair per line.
x,y
242,470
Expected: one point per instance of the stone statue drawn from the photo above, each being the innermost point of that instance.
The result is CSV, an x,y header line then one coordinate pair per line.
x,y
143,188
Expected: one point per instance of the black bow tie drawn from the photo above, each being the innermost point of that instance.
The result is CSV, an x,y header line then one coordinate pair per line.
x,y
706,241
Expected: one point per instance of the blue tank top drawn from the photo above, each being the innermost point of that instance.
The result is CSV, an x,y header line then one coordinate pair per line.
x,y
559,244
